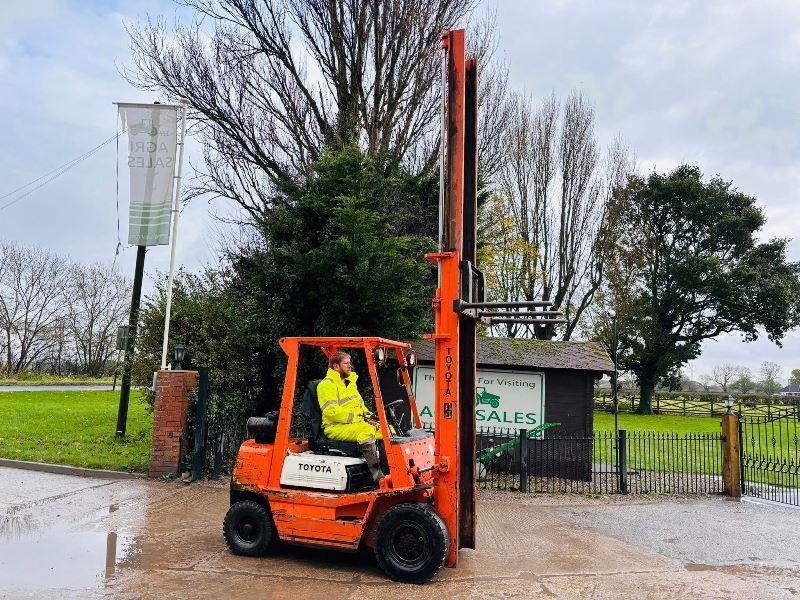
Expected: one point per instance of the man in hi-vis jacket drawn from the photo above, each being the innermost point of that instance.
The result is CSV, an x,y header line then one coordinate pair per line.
x,y
345,417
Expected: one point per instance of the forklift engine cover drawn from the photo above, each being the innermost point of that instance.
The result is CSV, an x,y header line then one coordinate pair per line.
x,y
322,472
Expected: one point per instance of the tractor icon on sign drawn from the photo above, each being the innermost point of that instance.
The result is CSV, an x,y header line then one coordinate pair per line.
x,y
484,397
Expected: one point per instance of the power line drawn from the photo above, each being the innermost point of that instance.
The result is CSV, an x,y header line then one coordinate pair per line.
x,y
55,173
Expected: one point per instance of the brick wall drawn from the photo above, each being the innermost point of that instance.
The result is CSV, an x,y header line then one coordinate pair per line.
x,y
169,421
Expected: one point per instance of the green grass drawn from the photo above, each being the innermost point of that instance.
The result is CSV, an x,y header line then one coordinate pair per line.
x,y
664,446
604,421
74,428
43,379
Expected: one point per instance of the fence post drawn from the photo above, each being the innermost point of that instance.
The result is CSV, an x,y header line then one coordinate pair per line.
x,y
684,406
731,456
523,460
658,405
199,458
622,461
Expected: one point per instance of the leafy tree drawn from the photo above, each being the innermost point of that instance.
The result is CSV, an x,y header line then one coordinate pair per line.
x,y
770,380
330,265
795,377
207,317
688,268
744,382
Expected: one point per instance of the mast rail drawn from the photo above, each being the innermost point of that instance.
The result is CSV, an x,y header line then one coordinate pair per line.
x,y
537,313
530,321
521,304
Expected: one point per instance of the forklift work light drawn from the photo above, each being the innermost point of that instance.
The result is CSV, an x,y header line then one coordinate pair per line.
x,y
411,358
380,355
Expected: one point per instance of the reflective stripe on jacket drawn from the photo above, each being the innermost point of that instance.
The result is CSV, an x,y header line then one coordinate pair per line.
x,y
339,400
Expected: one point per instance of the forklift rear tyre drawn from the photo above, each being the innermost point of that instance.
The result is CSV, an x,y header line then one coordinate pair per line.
x,y
248,528
411,542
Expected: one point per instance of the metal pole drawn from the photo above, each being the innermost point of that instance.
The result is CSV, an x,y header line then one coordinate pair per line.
x,y
173,245
133,318
614,392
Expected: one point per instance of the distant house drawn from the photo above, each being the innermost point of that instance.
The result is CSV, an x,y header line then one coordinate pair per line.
x,y
792,390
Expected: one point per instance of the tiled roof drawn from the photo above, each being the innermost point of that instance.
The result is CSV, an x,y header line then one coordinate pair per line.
x,y
791,389
505,352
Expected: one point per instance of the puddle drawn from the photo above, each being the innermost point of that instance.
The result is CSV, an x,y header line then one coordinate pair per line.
x,y
57,557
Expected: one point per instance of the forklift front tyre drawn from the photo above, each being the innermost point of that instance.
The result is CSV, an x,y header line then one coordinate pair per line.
x,y
411,542
248,528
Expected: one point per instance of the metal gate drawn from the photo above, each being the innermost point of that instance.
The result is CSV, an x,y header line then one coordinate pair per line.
x,y
770,455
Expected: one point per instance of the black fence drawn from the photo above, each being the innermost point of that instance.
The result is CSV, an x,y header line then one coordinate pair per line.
x,y
770,454
593,463
698,405
601,463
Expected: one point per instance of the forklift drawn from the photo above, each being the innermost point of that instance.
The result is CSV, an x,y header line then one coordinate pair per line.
x,y
313,491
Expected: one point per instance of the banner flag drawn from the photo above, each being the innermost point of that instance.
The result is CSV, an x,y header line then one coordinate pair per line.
x,y
152,144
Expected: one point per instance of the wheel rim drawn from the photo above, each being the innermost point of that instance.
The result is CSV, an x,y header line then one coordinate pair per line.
x,y
410,544
248,530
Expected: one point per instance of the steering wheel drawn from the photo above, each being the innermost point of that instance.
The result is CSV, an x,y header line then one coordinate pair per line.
x,y
392,415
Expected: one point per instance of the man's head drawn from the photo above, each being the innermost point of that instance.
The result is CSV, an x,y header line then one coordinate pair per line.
x,y
340,362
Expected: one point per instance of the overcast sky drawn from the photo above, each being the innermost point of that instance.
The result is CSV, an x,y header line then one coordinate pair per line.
x,y
708,82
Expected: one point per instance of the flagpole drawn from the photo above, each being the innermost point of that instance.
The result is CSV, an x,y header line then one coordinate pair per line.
x,y
173,241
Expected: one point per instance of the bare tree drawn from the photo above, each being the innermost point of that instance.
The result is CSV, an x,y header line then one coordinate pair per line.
x,y
724,374
271,82
31,302
559,188
705,381
96,300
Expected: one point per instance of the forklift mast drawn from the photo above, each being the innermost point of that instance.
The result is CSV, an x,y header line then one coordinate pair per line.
x,y
454,337
460,303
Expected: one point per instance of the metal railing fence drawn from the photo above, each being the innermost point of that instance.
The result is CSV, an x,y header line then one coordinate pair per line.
x,y
638,462
698,404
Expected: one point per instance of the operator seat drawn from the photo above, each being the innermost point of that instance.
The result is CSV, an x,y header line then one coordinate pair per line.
x,y
318,442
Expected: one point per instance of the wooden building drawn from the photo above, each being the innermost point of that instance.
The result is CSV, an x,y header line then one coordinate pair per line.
x,y
570,370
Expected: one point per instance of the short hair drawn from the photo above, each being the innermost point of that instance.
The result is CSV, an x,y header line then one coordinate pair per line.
x,y
337,358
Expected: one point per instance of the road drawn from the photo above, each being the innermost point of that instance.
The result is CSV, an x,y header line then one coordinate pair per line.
x,y
74,537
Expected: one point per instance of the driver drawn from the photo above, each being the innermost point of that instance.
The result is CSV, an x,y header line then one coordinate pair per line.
x,y
345,417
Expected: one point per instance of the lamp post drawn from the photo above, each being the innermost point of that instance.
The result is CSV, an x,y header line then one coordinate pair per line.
x,y
729,402
614,383
179,354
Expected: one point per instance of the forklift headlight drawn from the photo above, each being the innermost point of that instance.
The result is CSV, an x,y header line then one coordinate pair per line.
x,y
380,355
411,358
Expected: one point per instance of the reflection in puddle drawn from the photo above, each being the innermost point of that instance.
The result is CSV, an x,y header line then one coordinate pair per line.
x,y
57,557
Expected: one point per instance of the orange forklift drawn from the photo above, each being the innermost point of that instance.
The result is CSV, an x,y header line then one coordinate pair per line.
x,y
311,490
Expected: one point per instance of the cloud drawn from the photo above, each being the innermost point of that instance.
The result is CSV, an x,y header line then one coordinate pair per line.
x,y
59,75
713,83
716,83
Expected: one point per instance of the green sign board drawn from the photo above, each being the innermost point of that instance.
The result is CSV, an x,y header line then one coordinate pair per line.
x,y
503,399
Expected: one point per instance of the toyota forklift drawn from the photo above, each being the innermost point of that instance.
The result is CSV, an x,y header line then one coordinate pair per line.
x,y
313,491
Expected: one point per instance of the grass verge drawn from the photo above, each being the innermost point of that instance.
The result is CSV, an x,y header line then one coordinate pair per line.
x,y
39,379
74,428
604,421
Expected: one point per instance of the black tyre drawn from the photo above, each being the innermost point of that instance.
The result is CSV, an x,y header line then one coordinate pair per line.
x,y
248,528
411,542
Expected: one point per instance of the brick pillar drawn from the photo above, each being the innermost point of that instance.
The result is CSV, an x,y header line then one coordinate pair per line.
x,y
169,421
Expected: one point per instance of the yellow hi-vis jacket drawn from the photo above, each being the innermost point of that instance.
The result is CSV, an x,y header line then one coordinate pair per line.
x,y
340,401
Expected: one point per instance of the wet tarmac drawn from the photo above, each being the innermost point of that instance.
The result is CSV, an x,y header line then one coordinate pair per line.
x,y
75,537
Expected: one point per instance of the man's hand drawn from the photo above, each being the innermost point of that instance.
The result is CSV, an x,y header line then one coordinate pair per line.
x,y
374,423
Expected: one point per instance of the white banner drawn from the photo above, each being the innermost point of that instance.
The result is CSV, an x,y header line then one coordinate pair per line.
x,y
504,399
152,144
